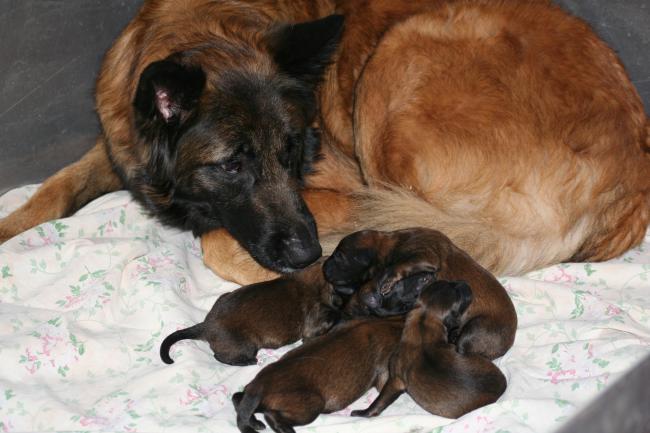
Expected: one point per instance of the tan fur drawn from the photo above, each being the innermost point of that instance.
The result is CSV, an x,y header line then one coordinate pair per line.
x,y
526,146
64,193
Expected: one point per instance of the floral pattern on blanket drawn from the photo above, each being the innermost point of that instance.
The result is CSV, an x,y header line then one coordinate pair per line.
x,y
85,302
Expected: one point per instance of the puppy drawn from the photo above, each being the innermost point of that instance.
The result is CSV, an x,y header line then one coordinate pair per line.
x,y
385,271
323,375
429,368
264,315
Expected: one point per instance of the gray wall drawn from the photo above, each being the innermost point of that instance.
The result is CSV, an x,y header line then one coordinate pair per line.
x,y
50,52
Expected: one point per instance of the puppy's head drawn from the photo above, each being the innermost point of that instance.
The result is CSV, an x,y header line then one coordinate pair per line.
x,y
226,136
400,299
354,261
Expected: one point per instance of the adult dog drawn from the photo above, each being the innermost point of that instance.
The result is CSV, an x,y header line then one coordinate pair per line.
x,y
508,125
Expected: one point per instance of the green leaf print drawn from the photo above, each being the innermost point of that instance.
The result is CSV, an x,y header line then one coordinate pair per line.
x,y
6,272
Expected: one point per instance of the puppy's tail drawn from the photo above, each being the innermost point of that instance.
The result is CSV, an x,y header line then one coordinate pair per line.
x,y
246,403
192,333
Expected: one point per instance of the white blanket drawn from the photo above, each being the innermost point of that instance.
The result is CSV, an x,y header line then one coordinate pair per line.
x,y
85,302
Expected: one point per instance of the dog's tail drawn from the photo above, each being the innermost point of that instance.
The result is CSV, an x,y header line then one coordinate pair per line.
x,y
390,208
193,333
645,145
246,403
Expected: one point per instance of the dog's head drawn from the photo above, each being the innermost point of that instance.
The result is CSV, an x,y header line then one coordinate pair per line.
x,y
229,146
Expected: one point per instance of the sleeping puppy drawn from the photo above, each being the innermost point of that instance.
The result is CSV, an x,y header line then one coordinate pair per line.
x,y
385,271
324,375
429,368
271,314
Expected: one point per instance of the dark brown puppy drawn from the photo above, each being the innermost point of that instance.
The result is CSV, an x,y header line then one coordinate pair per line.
x,y
324,375
428,367
264,315
387,270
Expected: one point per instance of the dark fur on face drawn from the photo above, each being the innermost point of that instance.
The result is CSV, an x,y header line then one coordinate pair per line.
x,y
231,149
323,375
264,315
385,271
428,367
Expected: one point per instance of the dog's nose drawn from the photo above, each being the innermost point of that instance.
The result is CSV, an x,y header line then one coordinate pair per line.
x,y
300,252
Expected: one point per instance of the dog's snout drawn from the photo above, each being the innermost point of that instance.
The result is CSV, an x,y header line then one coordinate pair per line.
x,y
301,251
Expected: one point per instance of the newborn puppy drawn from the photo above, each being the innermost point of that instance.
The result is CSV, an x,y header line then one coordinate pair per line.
x,y
323,375
271,314
429,368
385,271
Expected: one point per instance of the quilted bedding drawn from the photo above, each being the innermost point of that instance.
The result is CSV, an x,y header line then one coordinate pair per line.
x,y
85,302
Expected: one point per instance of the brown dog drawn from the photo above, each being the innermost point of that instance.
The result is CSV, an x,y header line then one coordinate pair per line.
x,y
323,375
264,315
387,270
525,146
428,367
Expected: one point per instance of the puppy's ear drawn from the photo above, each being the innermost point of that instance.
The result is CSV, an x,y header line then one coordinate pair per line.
x,y
304,50
168,92
459,297
463,295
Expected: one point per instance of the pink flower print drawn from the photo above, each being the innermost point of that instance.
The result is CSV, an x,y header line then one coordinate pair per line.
x,y
157,262
556,376
563,277
613,310
86,421
206,400
6,425
32,364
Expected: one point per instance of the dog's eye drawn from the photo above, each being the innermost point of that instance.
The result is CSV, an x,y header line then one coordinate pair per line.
x,y
232,166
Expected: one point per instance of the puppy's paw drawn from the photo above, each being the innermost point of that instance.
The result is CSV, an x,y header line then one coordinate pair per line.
x,y
366,413
238,361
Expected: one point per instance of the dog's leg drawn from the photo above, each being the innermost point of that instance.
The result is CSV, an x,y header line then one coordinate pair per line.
x,y
277,424
65,192
254,423
389,393
223,254
293,408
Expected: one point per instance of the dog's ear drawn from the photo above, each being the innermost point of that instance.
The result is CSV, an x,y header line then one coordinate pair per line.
x,y
304,50
168,92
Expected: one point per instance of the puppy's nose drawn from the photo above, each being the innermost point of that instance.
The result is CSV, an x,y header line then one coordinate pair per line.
x,y
372,300
300,252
